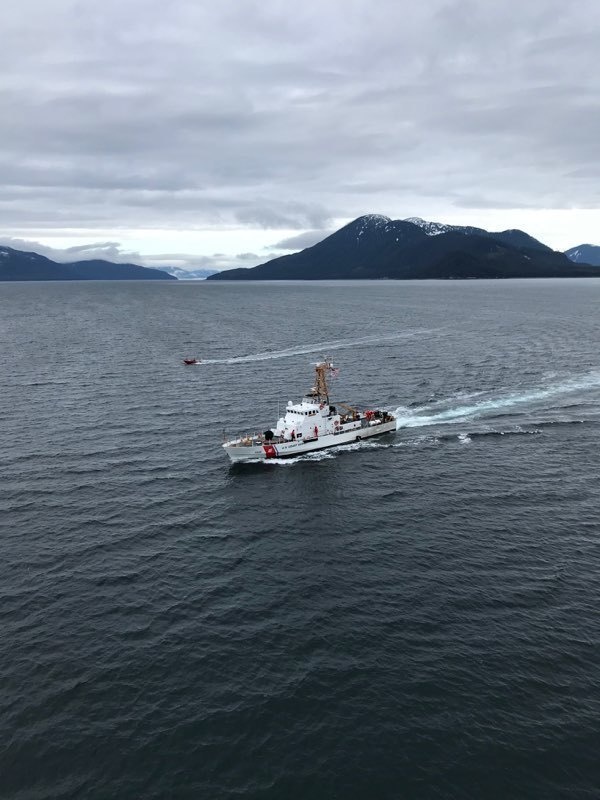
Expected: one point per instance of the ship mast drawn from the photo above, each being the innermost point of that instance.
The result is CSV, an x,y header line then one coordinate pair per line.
x,y
321,389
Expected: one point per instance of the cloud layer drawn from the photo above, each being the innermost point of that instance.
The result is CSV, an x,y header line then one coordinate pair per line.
x,y
188,116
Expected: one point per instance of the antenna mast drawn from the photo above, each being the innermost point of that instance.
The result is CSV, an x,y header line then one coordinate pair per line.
x,y
321,389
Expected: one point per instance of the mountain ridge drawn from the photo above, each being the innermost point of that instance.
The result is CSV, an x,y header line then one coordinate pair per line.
x,y
584,253
374,246
21,265
371,246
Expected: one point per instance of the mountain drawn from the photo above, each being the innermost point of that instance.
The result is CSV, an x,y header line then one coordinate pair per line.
x,y
16,265
347,253
188,274
586,253
375,246
435,228
511,237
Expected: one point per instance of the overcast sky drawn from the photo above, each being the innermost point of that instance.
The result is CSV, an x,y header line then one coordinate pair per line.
x,y
201,133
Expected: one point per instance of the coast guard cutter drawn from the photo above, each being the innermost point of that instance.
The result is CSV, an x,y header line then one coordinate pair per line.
x,y
312,424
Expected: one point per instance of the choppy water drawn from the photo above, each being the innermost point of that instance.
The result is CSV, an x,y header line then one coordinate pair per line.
x,y
415,617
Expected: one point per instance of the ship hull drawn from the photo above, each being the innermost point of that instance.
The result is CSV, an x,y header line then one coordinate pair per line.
x,y
241,453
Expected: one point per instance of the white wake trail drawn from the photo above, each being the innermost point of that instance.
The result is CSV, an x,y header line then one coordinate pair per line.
x,y
318,347
426,415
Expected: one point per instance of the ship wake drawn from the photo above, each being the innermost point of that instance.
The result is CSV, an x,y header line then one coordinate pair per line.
x,y
558,396
317,347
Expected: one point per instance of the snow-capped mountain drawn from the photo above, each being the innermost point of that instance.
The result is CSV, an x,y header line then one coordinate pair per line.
x,y
188,274
584,254
436,228
374,246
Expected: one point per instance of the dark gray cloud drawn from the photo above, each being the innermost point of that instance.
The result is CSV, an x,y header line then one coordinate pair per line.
x,y
256,114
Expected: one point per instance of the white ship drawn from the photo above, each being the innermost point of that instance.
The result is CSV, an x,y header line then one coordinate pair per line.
x,y
312,424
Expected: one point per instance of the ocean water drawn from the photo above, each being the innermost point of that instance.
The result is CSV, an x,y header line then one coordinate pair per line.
x,y
415,617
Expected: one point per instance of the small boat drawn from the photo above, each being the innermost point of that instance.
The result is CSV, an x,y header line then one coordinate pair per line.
x,y
189,361
312,424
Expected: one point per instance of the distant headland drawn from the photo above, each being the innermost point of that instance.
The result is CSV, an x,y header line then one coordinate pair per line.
x,y
17,265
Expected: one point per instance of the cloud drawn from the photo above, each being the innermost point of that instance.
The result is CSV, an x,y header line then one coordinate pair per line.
x,y
111,251
306,239
251,116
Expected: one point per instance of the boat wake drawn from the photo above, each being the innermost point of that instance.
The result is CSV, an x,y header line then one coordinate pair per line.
x,y
317,347
441,412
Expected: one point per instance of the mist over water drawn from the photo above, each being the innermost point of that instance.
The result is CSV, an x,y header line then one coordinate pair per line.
x,y
411,617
